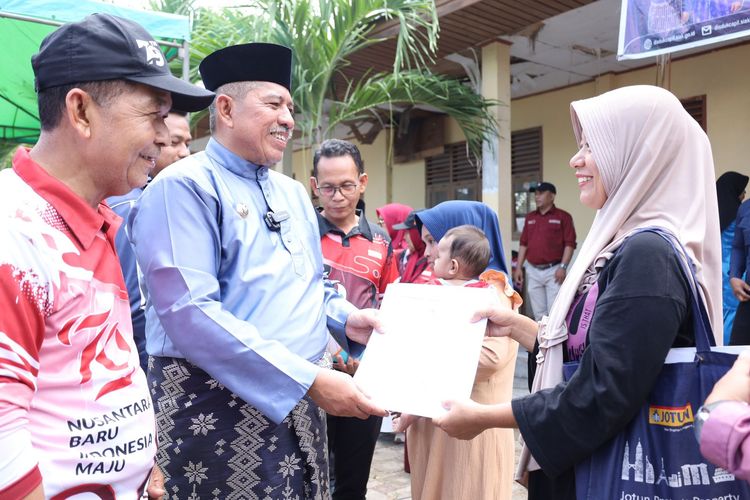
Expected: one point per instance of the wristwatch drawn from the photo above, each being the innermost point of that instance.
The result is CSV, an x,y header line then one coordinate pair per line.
x,y
564,266
701,417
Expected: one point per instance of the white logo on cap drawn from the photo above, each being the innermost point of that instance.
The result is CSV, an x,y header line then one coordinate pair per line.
x,y
153,53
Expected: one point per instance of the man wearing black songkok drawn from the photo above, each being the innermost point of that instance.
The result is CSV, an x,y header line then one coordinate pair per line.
x,y
238,312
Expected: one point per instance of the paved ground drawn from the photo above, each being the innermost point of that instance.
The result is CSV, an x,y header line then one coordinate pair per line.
x,y
388,481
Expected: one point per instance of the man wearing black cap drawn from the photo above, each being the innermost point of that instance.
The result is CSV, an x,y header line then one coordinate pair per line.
x,y
547,243
238,313
75,413
177,147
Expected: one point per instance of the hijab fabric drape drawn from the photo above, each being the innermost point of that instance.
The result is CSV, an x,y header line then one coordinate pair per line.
x,y
394,213
657,169
449,214
729,187
416,262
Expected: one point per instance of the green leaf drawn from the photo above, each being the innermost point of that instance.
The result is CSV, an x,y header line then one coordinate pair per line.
x,y
323,35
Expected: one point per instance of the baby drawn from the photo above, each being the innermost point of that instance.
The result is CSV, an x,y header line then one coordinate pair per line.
x,y
463,253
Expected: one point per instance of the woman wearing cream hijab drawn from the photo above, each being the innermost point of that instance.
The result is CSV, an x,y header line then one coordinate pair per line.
x,y
643,162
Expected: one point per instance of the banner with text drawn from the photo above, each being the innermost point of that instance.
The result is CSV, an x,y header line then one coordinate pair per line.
x,y
653,27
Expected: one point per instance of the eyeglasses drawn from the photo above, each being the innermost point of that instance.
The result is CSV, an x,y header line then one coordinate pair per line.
x,y
329,191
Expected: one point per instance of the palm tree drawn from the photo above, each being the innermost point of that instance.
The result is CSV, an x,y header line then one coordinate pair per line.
x,y
323,34
181,7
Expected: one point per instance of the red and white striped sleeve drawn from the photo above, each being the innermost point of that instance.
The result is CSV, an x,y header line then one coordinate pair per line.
x,y
25,303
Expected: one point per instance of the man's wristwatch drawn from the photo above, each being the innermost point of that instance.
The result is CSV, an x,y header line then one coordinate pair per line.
x,y
702,415
564,266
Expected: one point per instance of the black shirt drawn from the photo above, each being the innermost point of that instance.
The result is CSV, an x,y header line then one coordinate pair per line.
x,y
642,311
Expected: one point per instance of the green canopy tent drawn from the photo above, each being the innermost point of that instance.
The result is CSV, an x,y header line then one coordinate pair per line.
x,y
23,25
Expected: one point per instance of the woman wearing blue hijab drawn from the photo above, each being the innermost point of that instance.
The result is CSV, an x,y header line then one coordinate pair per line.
x,y
481,469
449,214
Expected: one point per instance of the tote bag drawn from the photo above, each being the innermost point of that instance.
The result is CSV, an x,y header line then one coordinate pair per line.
x,y
657,457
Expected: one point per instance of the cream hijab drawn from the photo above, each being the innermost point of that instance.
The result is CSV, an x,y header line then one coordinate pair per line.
x,y
657,169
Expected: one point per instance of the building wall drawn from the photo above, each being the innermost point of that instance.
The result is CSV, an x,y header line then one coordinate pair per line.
x,y
373,155
301,166
409,183
721,75
551,111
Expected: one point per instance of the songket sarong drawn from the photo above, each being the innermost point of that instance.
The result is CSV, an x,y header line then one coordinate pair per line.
x,y
213,445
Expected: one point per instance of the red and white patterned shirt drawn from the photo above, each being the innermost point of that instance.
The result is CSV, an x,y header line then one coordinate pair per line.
x,y
360,263
75,412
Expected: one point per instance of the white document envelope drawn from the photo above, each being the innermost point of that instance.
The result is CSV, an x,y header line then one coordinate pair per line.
x,y
430,350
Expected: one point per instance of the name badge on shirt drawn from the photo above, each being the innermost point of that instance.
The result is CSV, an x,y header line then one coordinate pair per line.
x,y
242,210
555,221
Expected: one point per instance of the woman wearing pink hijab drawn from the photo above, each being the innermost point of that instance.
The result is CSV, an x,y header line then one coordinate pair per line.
x,y
643,162
416,267
390,215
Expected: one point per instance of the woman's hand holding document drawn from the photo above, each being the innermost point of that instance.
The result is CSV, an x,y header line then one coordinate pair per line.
x,y
431,351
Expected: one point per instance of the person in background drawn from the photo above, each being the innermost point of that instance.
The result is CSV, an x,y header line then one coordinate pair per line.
x,y
416,267
546,247
730,191
177,147
71,389
738,266
722,424
237,309
390,215
643,162
357,257
443,467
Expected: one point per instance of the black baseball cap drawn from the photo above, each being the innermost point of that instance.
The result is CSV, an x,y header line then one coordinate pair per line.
x,y
409,223
248,62
544,186
106,47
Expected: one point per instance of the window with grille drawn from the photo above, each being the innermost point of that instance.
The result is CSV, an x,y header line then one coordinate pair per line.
x,y
452,175
696,107
526,171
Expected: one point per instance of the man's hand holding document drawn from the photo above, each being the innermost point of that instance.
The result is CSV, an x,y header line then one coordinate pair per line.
x,y
431,349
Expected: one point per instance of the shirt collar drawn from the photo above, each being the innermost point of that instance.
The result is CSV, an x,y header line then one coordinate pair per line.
x,y
233,162
362,227
83,221
552,209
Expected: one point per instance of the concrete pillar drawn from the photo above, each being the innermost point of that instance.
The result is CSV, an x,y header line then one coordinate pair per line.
x,y
497,184
604,83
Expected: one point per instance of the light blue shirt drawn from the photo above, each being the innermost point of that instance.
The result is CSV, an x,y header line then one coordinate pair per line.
x,y
246,304
121,205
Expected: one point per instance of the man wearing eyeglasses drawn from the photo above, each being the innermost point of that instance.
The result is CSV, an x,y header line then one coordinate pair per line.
x,y
238,311
357,257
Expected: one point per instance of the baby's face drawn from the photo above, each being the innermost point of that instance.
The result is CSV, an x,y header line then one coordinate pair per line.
x,y
442,265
